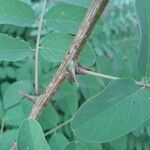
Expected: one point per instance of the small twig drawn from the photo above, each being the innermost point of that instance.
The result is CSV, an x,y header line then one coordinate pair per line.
x,y
38,47
81,70
92,16
58,127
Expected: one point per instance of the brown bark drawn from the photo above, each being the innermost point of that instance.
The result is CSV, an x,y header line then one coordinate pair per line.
x,y
94,12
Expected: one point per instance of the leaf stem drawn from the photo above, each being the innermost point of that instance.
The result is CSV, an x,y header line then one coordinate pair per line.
x,y
38,47
95,74
104,76
58,127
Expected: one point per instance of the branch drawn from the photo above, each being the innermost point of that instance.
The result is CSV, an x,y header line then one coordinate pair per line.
x,y
92,16
38,47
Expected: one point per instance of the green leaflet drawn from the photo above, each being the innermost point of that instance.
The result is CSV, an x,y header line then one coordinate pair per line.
x,y
7,139
75,145
49,118
14,49
67,98
4,86
93,87
55,46
139,145
31,136
143,13
17,13
131,142
118,110
93,146
16,114
121,142
65,18
58,141
12,95
81,3
1,111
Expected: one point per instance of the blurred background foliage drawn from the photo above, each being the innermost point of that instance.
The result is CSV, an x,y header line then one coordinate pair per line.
x,y
115,44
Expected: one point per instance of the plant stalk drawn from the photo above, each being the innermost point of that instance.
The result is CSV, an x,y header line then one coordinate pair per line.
x,y
92,16
58,127
81,70
38,48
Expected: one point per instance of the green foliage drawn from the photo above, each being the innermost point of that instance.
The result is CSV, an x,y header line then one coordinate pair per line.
x,y
58,141
60,44
95,146
65,18
112,113
8,138
76,146
49,118
94,114
16,88
92,89
9,13
84,3
121,142
142,10
16,51
15,115
26,136
68,102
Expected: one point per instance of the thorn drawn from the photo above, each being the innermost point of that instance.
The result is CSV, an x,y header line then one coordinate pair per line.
x,y
30,97
71,71
72,77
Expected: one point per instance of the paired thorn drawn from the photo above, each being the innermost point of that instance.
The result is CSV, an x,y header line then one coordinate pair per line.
x,y
74,68
30,97
71,71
